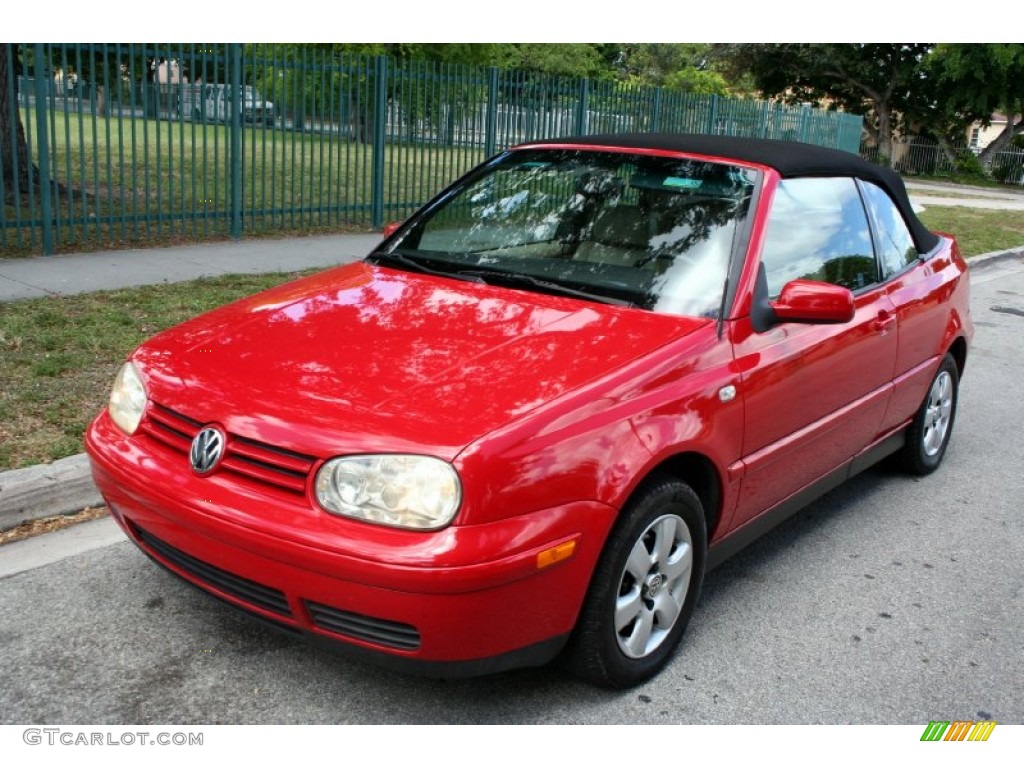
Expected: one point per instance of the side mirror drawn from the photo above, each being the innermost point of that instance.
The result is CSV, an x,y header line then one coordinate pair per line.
x,y
810,301
390,229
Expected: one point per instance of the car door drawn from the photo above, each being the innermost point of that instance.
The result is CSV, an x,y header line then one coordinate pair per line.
x,y
814,394
918,286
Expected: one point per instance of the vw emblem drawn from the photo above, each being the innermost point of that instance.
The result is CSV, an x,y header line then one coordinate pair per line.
x,y
207,450
654,585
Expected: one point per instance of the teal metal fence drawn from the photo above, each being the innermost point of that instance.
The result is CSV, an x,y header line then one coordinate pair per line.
x,y
144,143
917,156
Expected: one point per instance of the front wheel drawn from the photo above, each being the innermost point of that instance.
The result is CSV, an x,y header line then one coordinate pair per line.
x,y
644,588
928,435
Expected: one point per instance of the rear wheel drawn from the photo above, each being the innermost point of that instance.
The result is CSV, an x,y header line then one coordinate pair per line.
x,y
928,435
644,588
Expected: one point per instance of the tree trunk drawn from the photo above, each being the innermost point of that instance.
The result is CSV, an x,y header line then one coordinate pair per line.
x,y
362,121
18,171
884,135
1002,141
947,150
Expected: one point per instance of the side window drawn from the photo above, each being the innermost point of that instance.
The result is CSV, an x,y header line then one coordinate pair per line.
x,y
818,230
895,246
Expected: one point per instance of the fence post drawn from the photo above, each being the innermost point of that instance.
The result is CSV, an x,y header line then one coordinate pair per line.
x,y
712,114
583,107
656,111
235,62
380,109
43,142
805,117
852,127
491,125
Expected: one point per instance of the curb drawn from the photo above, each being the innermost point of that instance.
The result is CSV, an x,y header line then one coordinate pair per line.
x,y
47,489
994,257
66,486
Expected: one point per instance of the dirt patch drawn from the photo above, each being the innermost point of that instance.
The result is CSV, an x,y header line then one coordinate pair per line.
x,y
48,524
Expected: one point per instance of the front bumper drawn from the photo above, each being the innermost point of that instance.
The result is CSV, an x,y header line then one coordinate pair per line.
x,y
460,601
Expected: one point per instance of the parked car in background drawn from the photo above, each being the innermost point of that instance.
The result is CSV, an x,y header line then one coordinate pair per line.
x,y
211,102
532,419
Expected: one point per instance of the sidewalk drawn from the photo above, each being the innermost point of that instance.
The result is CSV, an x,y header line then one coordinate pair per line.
x,y
938,194
86,272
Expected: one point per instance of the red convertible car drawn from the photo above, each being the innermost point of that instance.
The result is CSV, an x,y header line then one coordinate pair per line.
x,y
530,421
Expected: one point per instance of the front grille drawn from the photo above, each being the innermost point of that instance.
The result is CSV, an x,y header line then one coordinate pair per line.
x,y
380,631
392,634
258,461
170,427
259,595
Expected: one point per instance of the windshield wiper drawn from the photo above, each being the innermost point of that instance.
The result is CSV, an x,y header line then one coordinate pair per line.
x,y
395,258
491,277
519,280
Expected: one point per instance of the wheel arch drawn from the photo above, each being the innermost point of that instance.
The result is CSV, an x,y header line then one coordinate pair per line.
x,y
958,349
697,471
595,650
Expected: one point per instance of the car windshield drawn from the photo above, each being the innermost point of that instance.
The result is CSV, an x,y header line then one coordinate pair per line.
x,y
651,232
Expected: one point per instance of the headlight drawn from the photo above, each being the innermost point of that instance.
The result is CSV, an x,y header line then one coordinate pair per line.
x,y
404,491
127,399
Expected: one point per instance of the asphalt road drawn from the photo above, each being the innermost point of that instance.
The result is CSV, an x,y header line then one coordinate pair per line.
x,y
891,600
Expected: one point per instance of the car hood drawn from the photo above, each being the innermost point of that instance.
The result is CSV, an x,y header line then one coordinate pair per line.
x,y
363,358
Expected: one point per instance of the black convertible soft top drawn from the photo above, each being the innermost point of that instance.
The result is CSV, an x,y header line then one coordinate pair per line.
x,y
790,158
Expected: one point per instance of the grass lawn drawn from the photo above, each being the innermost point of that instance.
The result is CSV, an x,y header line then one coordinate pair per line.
x,y
977,230
140,181
965,179
58,356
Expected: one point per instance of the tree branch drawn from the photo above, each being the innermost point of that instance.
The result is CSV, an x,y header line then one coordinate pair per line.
x,y
839,72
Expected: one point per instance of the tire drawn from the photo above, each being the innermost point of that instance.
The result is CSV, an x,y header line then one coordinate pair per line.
x,y
644,588
928,435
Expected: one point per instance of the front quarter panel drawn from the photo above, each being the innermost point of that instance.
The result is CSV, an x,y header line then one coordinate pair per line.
x,y
599,444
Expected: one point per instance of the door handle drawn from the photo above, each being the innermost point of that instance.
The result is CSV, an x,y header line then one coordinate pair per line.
x,y
884,322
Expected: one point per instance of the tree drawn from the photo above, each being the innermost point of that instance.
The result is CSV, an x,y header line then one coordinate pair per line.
x,y
975,81
348,68
682,66
18,171
563,59
120,68
885,82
